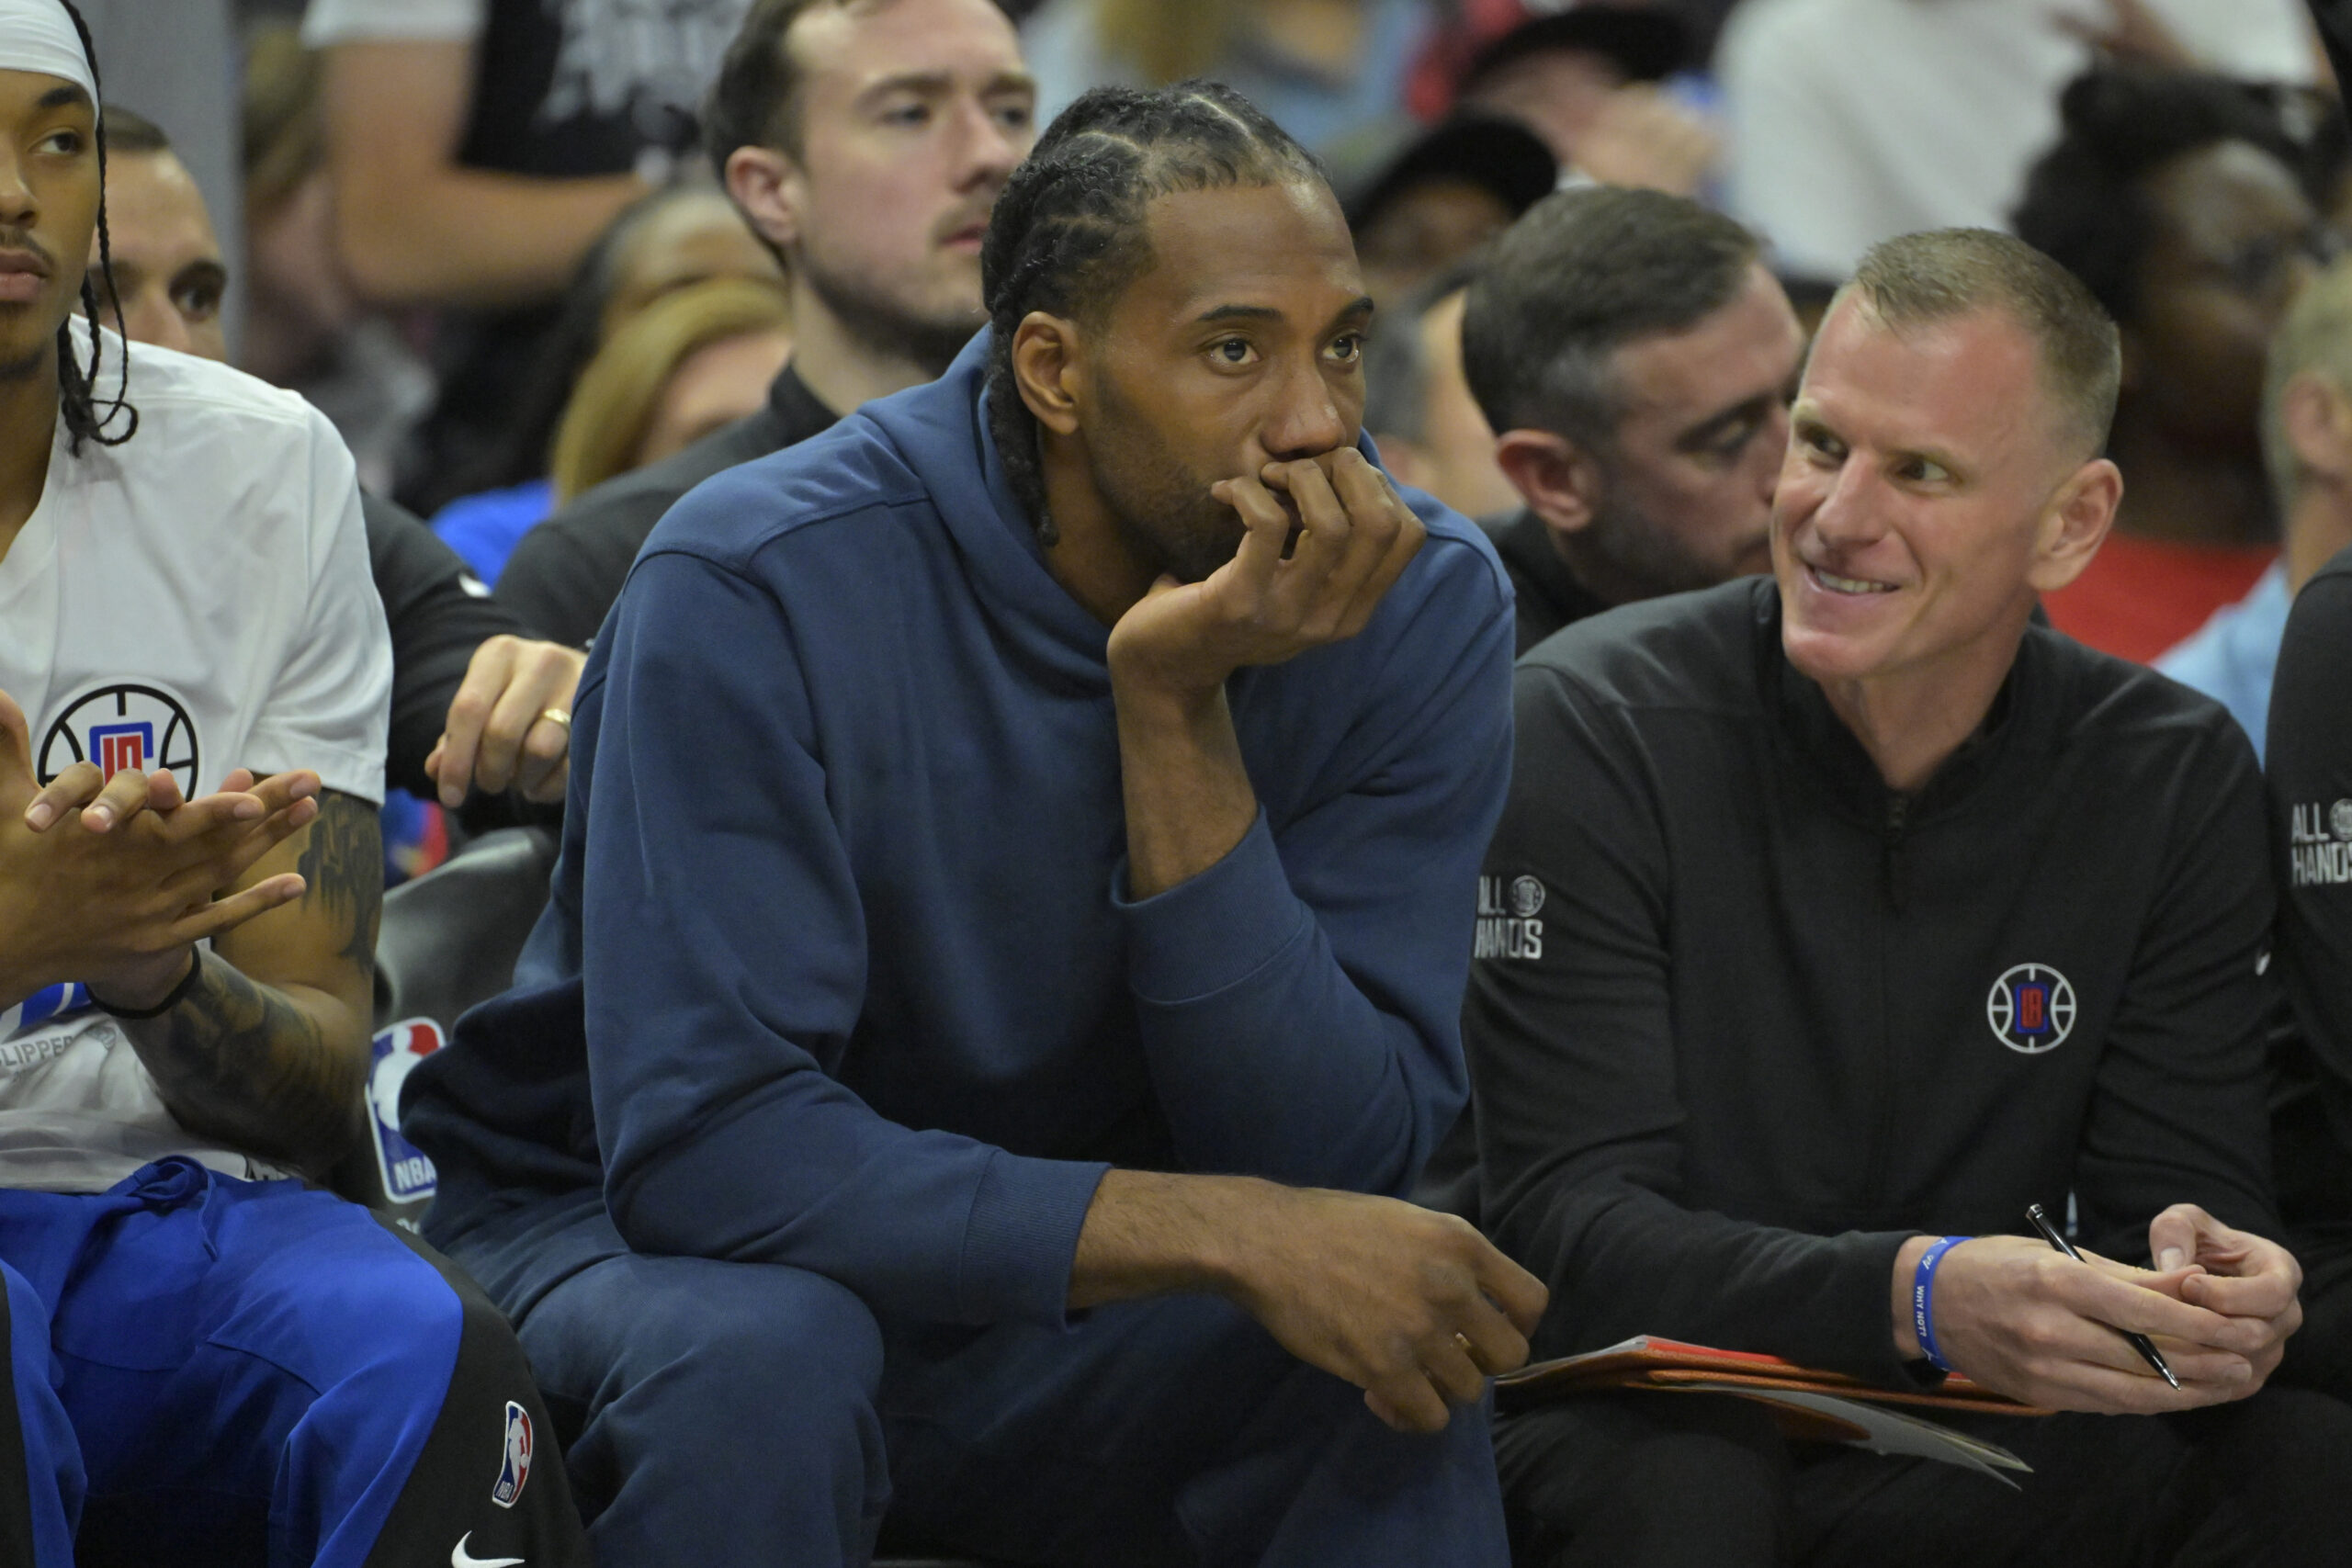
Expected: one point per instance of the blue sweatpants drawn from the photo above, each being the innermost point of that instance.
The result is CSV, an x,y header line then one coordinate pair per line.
x,y
208,1371
749,1414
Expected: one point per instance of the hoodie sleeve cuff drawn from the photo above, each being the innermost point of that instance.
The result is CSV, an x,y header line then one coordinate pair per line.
x,y
1022,1239
1213,929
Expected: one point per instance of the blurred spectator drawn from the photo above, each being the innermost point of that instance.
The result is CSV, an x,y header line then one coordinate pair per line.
x,y
675,237
865,145
1420,200
1637,360
305,327
1418,408
2172,197
478,149
2306,445
167,276
447,635
1851,122
1323,69
1587,81
178,63
687,364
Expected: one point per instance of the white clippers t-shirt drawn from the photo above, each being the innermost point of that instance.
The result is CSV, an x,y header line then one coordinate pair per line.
x,y
199,600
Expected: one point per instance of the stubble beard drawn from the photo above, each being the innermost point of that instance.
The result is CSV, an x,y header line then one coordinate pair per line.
x,y
1632,554
887,327
1159,505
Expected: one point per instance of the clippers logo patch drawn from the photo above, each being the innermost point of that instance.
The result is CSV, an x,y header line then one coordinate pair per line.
x,y
408,1175
2031,1008
144,727
516,1468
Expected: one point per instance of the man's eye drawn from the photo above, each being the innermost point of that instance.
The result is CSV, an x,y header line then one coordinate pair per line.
x,y
1017,117
1733,442
197,302
1232,351
908,114
60,142
1347,347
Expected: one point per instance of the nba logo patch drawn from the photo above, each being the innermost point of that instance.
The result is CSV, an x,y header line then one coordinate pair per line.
x,y
516,1469
408,1176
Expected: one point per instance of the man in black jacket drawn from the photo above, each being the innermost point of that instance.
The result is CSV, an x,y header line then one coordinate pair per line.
x,y
1835,916
870,171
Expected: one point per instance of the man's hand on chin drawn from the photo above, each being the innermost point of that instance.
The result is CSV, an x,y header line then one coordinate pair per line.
x,y
1278,596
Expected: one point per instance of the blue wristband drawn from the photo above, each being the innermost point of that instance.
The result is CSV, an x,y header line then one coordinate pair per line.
x,y
1923,1296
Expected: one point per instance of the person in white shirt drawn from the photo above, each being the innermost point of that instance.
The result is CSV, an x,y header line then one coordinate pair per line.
x,y
1855,120
194,671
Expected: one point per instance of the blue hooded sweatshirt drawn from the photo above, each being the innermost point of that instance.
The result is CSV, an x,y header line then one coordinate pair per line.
x,y
840,971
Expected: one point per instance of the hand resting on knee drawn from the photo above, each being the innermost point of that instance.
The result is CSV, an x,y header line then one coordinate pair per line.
x,y
2016,1317
1414,1307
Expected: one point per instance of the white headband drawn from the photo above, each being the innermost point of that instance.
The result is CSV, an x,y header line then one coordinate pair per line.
x,y
37,35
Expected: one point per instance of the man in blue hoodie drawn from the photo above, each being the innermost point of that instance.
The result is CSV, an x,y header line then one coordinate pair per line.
x,y
1007,952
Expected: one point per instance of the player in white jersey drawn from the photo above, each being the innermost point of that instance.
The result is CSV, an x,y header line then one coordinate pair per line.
x,y
193,679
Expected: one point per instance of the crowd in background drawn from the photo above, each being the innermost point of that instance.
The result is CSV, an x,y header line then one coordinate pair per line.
x,y
478,234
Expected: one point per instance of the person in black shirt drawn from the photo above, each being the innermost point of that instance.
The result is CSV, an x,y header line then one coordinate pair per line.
x,y
873,181
2310,797
1836,914
1636,359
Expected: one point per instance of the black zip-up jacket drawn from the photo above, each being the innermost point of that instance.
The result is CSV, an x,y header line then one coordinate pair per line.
x,y
1742,1019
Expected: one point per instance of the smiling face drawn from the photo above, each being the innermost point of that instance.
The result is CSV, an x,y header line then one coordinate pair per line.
x,y
1241,344
48,209
912,114
168,275
1931,488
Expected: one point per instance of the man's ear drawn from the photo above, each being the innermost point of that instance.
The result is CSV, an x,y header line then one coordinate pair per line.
x,y
771,191
2316,419
1049,370
2075,525
1561,482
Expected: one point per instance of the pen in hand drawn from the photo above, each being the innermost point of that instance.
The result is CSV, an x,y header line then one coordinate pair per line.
x,y
2140,1342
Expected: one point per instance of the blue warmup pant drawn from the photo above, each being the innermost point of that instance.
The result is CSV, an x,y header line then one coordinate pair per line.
x,y
205,1371
749,1414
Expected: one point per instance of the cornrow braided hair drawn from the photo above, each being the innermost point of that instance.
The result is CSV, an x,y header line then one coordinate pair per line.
x,y
1067,235
78,388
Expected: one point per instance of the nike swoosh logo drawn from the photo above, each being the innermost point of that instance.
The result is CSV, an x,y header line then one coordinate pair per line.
x,y
460,1558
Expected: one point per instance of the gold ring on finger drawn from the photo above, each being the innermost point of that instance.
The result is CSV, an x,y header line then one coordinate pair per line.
x,y
557,716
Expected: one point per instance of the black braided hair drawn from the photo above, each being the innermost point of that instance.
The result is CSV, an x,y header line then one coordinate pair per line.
x,y
78,388
1068,233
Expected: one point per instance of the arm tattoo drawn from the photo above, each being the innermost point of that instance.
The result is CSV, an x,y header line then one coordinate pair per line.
x,y
342,872
243,1062
239,1061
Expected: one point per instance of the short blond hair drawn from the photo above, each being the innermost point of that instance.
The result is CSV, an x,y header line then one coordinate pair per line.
x,y
614,401
1916,280
2314,338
